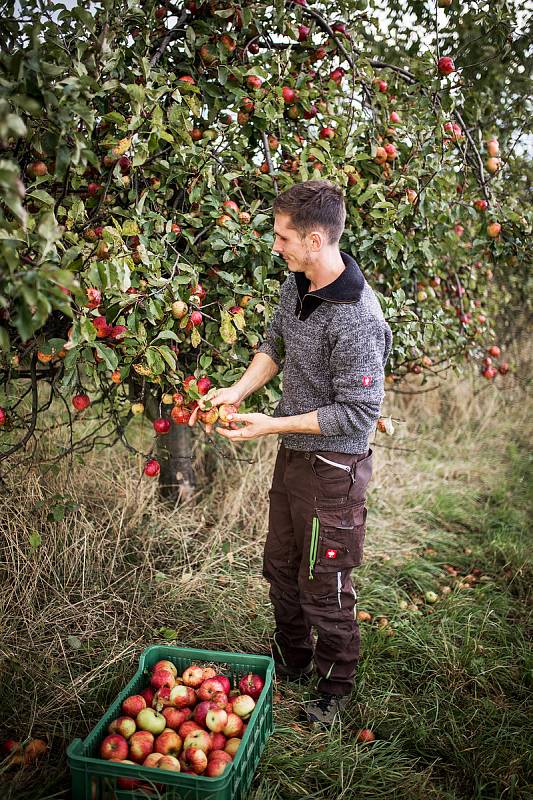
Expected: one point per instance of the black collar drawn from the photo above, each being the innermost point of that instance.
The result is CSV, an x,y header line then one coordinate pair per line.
x,y
346,288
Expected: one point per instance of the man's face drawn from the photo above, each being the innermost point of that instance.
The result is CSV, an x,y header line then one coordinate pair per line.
x,y
297,252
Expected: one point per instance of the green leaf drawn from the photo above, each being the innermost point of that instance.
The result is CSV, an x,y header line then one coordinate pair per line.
x,y
227,331
35,540
109,355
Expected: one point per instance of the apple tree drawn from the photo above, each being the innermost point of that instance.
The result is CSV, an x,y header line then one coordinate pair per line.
x,y
141,147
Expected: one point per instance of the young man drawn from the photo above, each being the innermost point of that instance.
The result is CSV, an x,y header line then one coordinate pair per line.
x,y
330,338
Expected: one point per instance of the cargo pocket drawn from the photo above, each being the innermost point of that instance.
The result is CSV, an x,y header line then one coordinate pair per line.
x,y
337,539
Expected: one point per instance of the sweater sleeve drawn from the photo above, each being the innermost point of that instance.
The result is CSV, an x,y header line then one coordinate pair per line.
x,y
273,344
357,363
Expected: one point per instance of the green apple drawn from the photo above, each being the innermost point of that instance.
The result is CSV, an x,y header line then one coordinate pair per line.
x,y
151,720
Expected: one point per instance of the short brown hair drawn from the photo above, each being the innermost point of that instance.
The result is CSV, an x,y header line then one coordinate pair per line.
x,y
314,203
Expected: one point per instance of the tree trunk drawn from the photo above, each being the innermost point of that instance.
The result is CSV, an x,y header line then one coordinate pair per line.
x,y
177,481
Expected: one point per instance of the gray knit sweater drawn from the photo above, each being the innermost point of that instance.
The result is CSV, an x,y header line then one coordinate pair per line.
x,y
332,345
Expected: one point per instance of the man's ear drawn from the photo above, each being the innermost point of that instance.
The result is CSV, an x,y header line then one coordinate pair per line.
x,y
317,240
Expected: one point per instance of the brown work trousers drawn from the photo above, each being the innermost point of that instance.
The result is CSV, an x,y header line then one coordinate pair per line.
x,y
315,537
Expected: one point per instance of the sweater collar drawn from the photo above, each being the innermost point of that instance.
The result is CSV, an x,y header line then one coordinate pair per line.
x,y
346,288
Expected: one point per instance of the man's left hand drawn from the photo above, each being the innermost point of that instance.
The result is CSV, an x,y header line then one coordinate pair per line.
x,y
255,425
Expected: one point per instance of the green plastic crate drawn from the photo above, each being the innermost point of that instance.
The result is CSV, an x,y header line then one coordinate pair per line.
x,y
95,779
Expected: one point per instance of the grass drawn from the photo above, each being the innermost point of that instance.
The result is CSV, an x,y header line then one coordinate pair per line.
x,y
446,687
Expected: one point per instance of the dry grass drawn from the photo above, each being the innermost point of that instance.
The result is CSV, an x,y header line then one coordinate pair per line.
x,y
76,610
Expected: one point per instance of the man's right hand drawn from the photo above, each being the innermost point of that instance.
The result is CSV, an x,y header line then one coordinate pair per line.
x,y
217,397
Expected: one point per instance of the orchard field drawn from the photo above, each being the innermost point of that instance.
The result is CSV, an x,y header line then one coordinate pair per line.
x,y
142,146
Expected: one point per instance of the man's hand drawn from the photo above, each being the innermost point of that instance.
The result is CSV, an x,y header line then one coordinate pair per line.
x,y
216,397
255,425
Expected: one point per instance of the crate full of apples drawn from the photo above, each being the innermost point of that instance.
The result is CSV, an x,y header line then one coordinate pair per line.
x,y
186,726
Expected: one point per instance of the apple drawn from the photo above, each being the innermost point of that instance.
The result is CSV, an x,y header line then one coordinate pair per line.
x,y
233,727
493,147
336,75
327,133
180,415
381,155
133,704
152,760
182,696
220,699
168,743
114,746
365,735
489,373
188,727
251,685
391,151
444,3
178,309
196,316
152,468
187,79
503,369
216,719
203,385
445,65
303,32
232,745
81,401
493,165
224,412
217,765
394,117
224,680
218,742
141,745
170,763
431,597
174,716
253,82
125,726
200,740
151,720
494,351
137,408
162,427
209,687
364,616
243,706
193,675
480,205
3,417
165,664
37,169
162,699
200,712
118,332
493,230
209,672
196,759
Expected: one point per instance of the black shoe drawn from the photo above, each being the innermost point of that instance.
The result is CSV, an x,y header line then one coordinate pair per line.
x,y
325,708
302,674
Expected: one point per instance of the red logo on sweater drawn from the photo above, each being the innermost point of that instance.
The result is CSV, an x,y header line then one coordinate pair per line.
x,y
331,554
366,380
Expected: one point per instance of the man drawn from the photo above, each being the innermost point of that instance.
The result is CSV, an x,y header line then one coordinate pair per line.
x,y
331,340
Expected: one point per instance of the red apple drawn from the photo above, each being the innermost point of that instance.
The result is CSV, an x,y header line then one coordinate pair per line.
x,y
200,712
128,783
188,727
125,726
232,745
81,401
216,766
365,735
480,205
182,696
152,468
198,739
118,332
216,719
162,677
209,687
218,742
133,704
141,745
494,229
152,760
195,759
114,746
170,763
494,351
209,672
204,384
193,675
162,699
445,65
161,427
327,133
94,297
3,417
233,727
148,694
168,743
220,699
251,685
503,369
175,716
